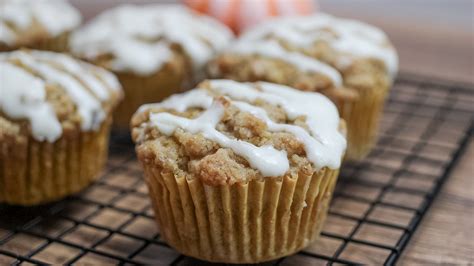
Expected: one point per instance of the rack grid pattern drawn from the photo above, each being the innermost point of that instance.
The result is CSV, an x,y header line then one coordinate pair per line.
x,y
377,206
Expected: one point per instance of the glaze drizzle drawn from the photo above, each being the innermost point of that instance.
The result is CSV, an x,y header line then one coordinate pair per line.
x,y
25,75
352,39
324,144
140,37
54,16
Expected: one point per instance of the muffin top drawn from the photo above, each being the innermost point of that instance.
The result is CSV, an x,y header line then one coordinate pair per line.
x,y
318,49
46,95
24,20
142,39
225,132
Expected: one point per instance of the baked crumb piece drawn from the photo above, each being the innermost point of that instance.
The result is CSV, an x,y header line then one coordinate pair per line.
x,y
222,167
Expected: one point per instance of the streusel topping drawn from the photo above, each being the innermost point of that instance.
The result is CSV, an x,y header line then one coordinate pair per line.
x,y
315,53
53,92
52,16
254,129
141,39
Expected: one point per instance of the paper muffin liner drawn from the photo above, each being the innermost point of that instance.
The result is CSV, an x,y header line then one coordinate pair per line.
x,y
59,44
33,172
241,223
147,89
362,119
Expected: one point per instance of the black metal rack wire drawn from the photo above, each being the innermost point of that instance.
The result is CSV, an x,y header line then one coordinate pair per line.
x,y
377,206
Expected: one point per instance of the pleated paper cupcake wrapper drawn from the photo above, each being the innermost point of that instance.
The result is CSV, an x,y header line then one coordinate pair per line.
x,y
59,43
40,172
241,223
146,89
362,120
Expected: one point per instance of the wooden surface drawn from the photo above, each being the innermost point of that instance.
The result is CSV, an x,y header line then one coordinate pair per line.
x,y
435,39
446,235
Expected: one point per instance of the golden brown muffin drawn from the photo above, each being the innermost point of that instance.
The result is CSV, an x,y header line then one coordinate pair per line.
x,y
240,172
350,62
55,116
39,24
155,50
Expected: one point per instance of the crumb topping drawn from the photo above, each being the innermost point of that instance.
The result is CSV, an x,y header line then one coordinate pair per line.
x,y
241,144
334,56
144,38
51,94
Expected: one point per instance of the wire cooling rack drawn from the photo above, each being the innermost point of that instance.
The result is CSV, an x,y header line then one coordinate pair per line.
x,y
377,206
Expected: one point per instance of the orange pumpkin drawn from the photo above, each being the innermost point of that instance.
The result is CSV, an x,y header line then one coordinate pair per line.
x,y
241,14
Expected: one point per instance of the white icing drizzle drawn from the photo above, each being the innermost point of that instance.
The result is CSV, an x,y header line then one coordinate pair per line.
x,y
139,37
272,49
74,76
324,144
23,96
6,34
266,159
80,71
89,107
55,16
108,78
352,38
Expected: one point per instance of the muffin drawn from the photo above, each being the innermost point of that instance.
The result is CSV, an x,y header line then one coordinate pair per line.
x,y
155,50
352,63
55,115
39,24
240,172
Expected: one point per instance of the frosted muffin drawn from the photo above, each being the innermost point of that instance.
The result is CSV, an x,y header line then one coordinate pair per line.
x,y
240,172
55,115
155,50
38,24
351,62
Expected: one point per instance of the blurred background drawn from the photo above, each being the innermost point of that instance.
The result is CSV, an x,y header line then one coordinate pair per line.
x,y
433,37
